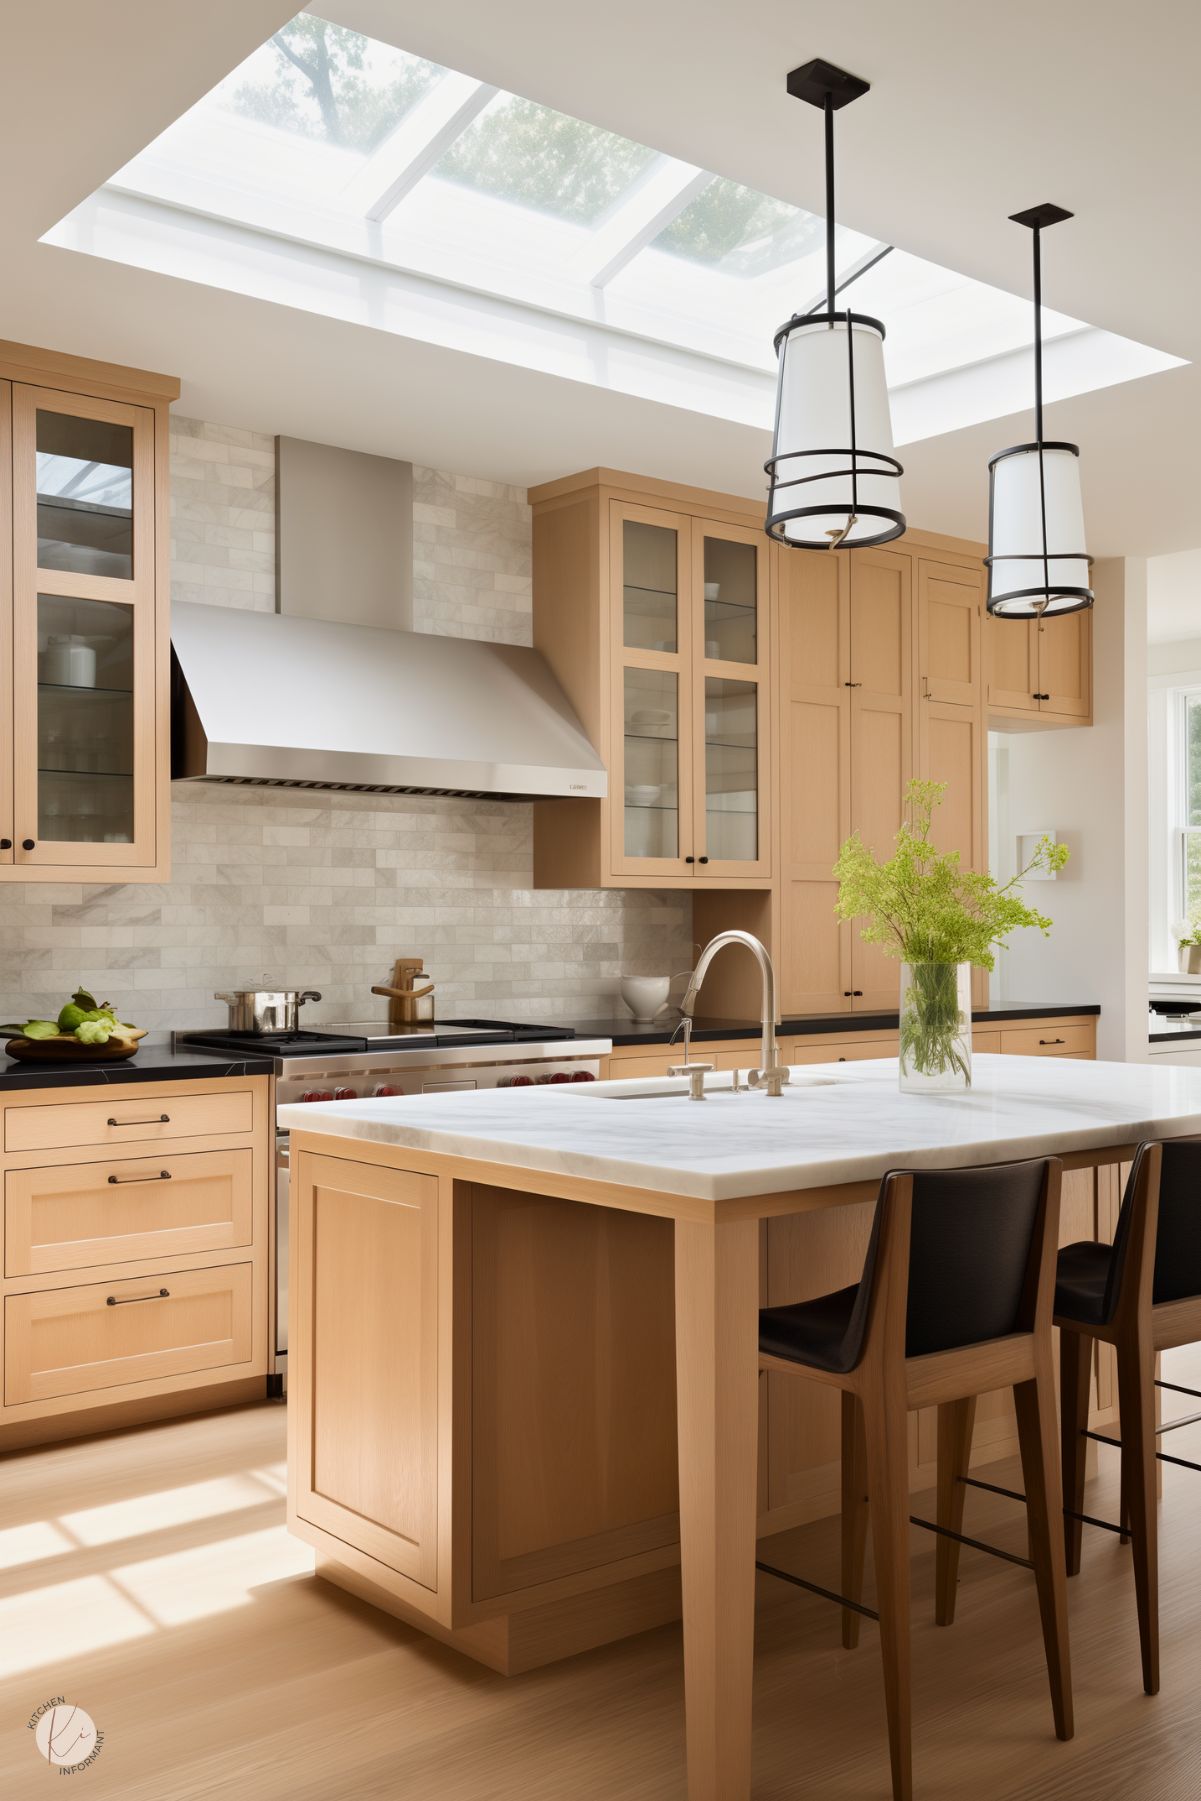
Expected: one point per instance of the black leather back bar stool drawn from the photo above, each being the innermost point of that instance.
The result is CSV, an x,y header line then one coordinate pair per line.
x,y
1142,1295
955,1300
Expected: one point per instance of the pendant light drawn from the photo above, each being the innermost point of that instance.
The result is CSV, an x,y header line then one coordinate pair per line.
x,y
1037,563
833,478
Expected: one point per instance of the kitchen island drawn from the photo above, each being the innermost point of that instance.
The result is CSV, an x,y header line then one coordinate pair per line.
x,y
524,1338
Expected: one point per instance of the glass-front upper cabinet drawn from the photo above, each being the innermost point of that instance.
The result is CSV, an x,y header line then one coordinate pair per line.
x,y
732,613
652,774
690,618
83,603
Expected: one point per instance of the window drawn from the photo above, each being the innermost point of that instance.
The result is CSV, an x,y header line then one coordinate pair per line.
x,y
1188,800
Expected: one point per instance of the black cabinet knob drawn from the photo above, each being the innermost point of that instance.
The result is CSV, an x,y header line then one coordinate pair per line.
x,y
27,844
690,859
6,843
702,859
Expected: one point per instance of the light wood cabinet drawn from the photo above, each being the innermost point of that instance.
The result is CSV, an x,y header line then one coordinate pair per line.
x,y
107,1335
653,607
84,558
137,1261
364,1246
846,662
1040,670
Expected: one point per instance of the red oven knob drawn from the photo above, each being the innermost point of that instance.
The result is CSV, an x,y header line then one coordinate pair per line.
x,y
383,1089
345,1094
583,1075
517,1082
561,1076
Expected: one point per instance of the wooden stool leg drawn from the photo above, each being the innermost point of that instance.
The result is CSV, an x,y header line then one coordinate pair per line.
x,y
1035,1404
854,1513
886,1434
1075,1373
955,1422
1136,1406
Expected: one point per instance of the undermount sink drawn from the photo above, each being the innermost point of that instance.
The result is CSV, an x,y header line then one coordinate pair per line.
x,y
603,1091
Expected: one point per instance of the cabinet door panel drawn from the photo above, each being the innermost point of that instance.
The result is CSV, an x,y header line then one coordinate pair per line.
x,y
651,809
730,634
364,1343
1065,665
951,751
1011,658
881,606
815,790
7,826
949,632
83,631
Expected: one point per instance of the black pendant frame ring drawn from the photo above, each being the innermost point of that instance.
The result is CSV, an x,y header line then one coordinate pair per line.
x,y
1000,608
860,462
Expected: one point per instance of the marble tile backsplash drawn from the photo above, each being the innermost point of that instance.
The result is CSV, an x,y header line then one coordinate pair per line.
x,y
324,890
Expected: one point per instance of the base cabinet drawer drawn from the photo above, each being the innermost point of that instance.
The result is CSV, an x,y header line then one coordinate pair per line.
x,y
852,1050
127,1210
1049,1040
113,1122
103,1335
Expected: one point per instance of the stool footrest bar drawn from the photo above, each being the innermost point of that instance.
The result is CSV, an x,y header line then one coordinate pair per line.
x,y
813,1588
976,1544
1177,1389
993,1488
1091,1520
1186,1419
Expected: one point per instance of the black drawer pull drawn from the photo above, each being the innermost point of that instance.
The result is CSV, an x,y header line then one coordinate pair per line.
x,y
127,1300
1052,1041
164,1119
164,1175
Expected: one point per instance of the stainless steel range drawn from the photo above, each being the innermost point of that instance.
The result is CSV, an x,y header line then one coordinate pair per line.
x,y
349,1062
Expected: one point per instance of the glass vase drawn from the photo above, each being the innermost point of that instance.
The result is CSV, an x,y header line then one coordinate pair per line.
x,y
936,1028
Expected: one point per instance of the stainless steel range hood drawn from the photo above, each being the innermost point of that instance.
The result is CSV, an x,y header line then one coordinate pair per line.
x,y
330,692
264,698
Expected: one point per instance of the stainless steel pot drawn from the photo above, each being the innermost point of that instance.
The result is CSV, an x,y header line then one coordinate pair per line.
x,y
262,1010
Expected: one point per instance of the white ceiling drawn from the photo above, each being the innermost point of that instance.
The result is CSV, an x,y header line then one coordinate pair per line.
x,y
975,112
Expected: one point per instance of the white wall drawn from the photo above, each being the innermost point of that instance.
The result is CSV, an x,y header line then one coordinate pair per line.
x,y
1090,786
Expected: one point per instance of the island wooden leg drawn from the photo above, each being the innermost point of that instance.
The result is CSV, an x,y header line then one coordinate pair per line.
x,y
717,1343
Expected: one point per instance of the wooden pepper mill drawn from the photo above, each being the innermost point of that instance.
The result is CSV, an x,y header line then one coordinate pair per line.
x,y
410,994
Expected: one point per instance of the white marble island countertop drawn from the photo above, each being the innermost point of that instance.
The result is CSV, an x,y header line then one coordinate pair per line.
x,y
838,1123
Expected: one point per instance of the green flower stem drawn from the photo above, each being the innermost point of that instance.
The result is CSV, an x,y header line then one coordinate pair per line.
x,y
932,1024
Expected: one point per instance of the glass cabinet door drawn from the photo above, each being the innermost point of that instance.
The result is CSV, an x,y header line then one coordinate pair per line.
x,y
83,630
651,774
730,564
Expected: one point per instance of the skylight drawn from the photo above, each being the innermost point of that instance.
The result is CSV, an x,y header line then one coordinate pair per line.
x,y
342,175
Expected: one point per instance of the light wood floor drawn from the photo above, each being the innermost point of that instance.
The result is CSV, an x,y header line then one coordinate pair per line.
x,y
148,1577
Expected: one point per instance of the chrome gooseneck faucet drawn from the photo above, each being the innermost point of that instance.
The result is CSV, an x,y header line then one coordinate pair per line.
x,y
772,1075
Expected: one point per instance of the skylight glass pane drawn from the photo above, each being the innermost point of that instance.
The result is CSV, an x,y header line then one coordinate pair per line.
x,y
527,154
325,82
739,231
338,174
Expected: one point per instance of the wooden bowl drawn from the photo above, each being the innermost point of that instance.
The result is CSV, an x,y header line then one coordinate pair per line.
x,y
67,1050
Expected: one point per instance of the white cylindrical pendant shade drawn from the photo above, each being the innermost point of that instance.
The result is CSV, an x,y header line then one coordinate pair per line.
x,y
834,478
1030,575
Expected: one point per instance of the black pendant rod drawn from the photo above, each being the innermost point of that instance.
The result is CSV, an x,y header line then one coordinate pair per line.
x,y
830,282
1038,335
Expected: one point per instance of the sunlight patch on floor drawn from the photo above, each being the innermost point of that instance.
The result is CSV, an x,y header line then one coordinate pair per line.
x,y
31,1542
210,1579
63,1620
167,1507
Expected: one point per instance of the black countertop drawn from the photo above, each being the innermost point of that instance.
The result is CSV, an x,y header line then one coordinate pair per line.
x,y
153,1063
659,1031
